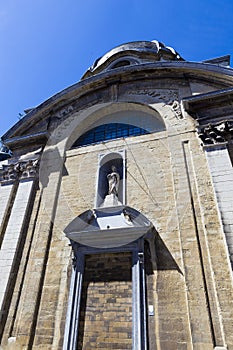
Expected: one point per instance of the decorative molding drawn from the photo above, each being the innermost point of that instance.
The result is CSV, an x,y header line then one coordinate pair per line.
x,y
10,173
169,97
59,115
216,134
175,106
63,112
29,169
19,171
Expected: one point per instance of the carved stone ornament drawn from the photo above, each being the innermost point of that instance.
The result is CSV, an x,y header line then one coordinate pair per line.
x,y
169,97
63,112
215,134
18,171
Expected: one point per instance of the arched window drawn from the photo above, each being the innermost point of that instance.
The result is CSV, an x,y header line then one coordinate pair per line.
x,y
121,63
108,132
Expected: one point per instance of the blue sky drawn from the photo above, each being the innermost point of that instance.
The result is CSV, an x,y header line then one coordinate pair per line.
x,y
46,45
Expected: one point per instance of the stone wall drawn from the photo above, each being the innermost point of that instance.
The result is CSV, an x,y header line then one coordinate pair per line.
x,y
188,278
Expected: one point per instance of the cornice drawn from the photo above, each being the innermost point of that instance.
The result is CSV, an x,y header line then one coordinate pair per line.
x,y
159,70
27,139
197,102
213,107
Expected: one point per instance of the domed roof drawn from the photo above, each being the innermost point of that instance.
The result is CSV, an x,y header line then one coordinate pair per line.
x,y
136,52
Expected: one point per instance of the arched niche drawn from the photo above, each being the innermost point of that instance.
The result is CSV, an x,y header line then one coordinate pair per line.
x,y
106,162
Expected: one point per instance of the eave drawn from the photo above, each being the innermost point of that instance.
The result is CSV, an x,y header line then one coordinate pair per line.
x,y
177,70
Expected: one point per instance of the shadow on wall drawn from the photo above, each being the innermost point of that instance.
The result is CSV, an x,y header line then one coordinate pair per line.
x,y
164,281
164,259
51,162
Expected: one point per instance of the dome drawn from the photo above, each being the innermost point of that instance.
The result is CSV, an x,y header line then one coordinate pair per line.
x,y
132,53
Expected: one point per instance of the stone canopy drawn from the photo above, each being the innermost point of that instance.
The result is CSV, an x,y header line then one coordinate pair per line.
x,y
108,227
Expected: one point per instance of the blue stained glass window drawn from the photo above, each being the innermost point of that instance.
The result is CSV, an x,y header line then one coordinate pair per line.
x,y
108,132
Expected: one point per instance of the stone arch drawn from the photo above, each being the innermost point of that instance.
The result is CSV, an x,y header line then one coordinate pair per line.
x,y
52,160
138,114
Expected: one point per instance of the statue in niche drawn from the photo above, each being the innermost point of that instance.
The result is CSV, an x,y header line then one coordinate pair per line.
x,y
113,181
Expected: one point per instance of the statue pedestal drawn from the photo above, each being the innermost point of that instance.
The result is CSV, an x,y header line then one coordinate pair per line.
x,y
111,200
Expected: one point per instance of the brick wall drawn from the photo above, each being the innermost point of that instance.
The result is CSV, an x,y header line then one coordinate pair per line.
x,y
106,302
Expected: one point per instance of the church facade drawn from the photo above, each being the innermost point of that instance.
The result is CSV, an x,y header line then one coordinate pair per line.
x,y
116,219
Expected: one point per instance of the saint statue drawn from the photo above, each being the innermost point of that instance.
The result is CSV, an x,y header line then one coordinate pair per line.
x,y
113,181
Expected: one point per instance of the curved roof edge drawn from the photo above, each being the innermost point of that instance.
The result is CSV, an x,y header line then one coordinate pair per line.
x,y
219,74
